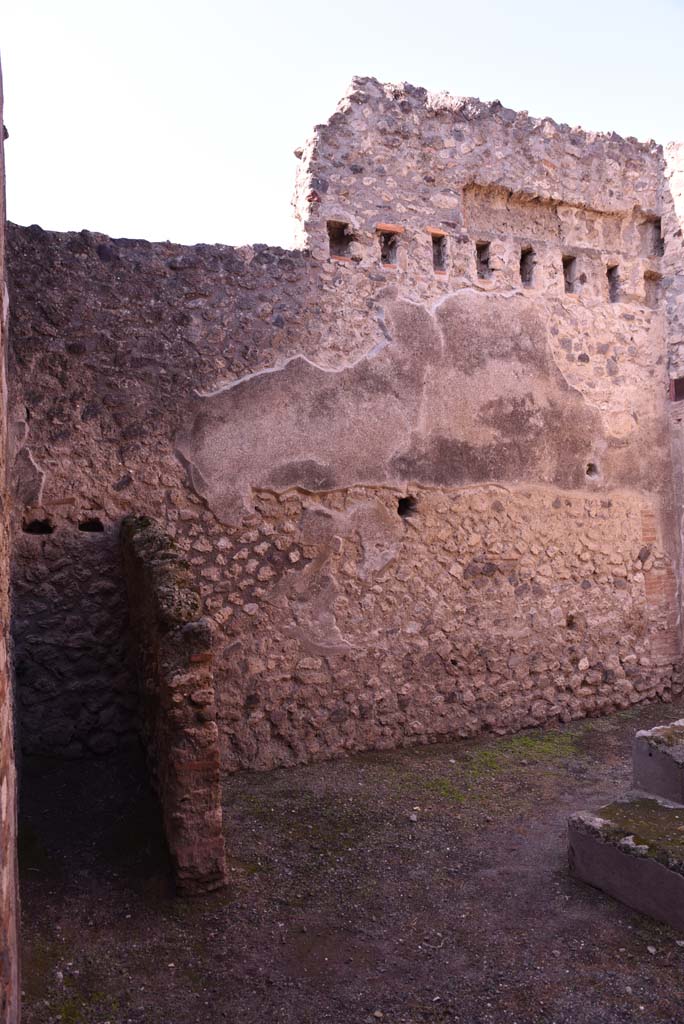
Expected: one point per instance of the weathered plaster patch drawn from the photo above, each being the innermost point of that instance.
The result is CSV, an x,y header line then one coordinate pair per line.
x,y
469,395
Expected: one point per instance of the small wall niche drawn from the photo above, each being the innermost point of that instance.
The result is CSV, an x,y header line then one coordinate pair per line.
x,y
340,237
677,389
651,289
651,236
91,525
389,248
527,265
482,259
439,253
570,274
407,507
38,526
613,276
592,471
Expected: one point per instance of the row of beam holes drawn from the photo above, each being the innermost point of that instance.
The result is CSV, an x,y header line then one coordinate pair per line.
x,y
571,278
44,526
340,237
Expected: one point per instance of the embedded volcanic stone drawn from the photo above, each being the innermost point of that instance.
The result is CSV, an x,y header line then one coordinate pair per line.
x,y
633,849
658,761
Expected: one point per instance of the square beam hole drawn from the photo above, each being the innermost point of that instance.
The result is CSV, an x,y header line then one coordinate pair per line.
x,y
340,238
439,253
389,248
527,265
570,274
482,259
651,237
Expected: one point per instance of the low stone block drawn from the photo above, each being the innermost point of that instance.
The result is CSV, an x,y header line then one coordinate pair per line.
x,y
633,849
658,761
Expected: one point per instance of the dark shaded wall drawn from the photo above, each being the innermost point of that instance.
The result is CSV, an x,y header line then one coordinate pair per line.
x,y
9,950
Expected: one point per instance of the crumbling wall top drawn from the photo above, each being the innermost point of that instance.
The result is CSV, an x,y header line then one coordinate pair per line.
x,y
392,150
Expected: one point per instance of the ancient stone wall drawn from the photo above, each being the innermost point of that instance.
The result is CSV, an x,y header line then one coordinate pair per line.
x,y
9,951
178,713
421,468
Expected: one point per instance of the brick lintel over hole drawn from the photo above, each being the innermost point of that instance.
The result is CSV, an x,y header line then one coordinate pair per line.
x,y
393,229
437,231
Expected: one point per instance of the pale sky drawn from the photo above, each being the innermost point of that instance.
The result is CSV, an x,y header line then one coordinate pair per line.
x,y
166,119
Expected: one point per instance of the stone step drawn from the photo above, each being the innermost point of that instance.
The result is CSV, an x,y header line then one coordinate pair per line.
x,y
633,849
658,761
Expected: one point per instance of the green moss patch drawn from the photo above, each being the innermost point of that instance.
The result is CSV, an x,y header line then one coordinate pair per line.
x,y
656,829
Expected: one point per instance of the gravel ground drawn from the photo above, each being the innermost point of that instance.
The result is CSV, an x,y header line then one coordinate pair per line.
x,y
424,885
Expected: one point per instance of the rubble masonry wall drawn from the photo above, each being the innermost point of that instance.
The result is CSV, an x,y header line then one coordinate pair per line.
x,y
420,497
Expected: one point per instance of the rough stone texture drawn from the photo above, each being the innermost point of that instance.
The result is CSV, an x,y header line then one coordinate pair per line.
x,y
74,680
174,654
9,953
416,501
658,761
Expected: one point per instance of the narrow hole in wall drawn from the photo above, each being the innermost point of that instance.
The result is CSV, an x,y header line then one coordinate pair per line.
x,y
592,470
482,258
570,274
339,237
658,240
389,248
92,525
527,264
677,389
407,507
613,275
651,289
439,252
570,620
651,242
38,526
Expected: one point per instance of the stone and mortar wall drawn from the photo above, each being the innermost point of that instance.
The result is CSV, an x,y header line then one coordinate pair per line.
x,y
178,714
271,408
10,994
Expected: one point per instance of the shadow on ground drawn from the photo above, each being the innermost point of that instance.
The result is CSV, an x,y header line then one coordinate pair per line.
x,y
423,885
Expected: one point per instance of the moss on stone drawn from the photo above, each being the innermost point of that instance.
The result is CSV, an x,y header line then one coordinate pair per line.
x,y
644,827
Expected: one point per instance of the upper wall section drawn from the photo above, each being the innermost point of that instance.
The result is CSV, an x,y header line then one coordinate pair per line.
x,y
396,160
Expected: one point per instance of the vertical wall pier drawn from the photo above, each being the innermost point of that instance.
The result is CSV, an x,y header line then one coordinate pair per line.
x,y
173,652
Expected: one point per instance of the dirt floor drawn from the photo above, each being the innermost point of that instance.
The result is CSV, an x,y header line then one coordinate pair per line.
x,y
424,885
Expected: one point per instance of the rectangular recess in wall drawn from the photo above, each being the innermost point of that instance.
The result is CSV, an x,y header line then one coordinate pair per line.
x,y
439,252
658,240
339,238
613,276
651,233
389,247
482,256
570,274
527,265
677,389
